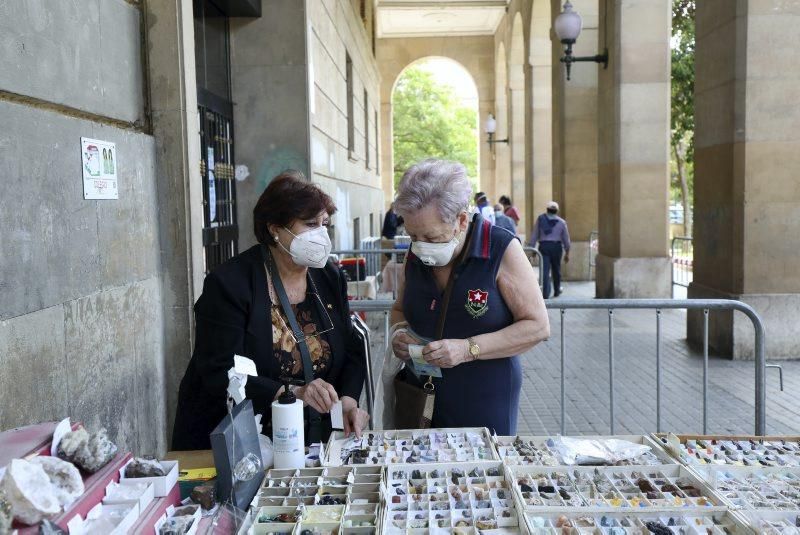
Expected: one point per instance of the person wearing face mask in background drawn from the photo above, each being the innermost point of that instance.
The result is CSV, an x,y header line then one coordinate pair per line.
x,y
495,312
503,221
240,312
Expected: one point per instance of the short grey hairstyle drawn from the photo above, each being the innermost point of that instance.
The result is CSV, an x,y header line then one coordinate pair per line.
x,y
440,183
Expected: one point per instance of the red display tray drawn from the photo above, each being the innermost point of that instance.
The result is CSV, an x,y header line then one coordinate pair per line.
x,y
147,519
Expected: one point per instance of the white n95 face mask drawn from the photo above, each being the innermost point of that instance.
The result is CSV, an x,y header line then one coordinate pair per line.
x,y
435,254
310,248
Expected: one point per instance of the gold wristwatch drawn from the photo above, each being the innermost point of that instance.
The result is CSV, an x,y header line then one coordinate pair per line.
x,y
474,349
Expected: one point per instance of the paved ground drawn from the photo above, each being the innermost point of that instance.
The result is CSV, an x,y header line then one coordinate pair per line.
x,y
731,390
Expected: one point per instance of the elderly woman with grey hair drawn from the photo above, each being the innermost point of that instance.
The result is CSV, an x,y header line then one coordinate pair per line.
x,y
495,309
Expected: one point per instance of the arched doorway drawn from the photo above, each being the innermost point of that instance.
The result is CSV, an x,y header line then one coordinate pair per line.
x,y
517,101
434,105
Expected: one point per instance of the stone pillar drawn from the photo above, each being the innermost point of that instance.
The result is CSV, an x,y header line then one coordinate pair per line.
x,y
175,122
575,141
517,144
541,132
747,154
634,113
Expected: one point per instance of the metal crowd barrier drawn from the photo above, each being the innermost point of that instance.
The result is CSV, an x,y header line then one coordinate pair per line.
x,y
657,305
681,255
528,249
373,263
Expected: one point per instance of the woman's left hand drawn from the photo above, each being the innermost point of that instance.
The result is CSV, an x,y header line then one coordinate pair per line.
x,y
355,420
446,353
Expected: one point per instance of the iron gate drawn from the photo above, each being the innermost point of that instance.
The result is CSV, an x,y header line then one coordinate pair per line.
x,y
220,229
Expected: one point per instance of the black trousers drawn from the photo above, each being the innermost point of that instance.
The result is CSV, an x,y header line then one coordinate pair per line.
x,y
551,261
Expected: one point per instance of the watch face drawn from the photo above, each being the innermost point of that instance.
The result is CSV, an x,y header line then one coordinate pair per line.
x,y
474,350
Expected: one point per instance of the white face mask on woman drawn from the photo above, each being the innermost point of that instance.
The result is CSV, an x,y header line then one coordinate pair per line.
x,y
310,248
435,254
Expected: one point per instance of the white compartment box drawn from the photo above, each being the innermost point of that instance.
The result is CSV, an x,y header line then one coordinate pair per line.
x,y
122,517
130,491
161,485
171,512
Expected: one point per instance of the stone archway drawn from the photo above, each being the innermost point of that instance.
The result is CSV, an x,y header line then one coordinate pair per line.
x,y
447,72
475,54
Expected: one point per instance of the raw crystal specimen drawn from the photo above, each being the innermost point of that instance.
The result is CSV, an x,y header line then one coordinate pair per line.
x,y
204,495
29,492
140,467
89,452
177,525
5,513
65,478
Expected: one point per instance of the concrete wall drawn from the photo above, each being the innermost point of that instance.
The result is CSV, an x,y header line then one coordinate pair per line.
x,y
475,54
80,315
290,96
350,177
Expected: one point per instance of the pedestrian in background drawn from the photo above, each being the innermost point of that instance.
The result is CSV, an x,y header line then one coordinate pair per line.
x,y
553,237
483,207
391,222
509,209
503,221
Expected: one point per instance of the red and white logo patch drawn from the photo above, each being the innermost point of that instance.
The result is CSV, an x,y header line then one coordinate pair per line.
x,y
477,302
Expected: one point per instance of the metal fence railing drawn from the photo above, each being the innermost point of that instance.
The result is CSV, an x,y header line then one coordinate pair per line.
x,y
681,254
656,305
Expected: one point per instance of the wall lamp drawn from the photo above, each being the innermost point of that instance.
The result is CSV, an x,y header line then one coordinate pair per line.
x,y
568,26
491,128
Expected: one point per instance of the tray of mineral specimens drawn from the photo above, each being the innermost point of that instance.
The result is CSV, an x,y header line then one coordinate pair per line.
x,y
697,522
774,522
755,488
738,450
540,450
657,488
318,519
411,446
472,497
344,485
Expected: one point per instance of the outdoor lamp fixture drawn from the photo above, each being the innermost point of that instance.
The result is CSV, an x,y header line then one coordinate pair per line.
x,y
491,128
568,25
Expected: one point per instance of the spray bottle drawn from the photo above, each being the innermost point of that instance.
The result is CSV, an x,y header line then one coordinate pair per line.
x,y
288,439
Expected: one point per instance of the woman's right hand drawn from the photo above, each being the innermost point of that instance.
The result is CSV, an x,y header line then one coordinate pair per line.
x,y
400,345
318,394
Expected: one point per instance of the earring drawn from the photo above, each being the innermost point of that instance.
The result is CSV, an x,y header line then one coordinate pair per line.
x,y
275,238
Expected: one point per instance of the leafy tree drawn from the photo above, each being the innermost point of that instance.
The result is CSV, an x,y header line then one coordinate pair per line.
x,y
682,139
429,121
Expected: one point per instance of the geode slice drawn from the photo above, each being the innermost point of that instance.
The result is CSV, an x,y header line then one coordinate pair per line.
x,y
65,478
88,452
29,492
141,467
5,513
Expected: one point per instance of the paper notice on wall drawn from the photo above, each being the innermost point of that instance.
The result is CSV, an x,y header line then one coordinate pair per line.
x,y
99,169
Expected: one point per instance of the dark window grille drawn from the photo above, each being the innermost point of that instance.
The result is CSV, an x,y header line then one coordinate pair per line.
x,y
220,228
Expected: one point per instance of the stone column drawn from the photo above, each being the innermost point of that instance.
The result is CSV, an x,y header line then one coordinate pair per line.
x,y
176,127
575,141
517,144
747,156
633,111
541,91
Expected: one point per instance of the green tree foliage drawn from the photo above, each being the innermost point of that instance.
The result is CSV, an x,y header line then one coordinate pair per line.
x,y
682,122
429,121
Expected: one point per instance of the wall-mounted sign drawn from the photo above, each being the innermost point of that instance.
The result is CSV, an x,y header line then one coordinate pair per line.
x,y
99,163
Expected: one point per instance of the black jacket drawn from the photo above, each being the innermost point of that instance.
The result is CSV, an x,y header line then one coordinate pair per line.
x,y
231,317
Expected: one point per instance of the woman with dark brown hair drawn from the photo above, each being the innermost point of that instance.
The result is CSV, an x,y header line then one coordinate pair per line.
x,y
241,312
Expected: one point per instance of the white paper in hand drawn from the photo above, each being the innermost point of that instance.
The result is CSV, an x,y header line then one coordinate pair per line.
x,y
337,416
244,365
420,365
